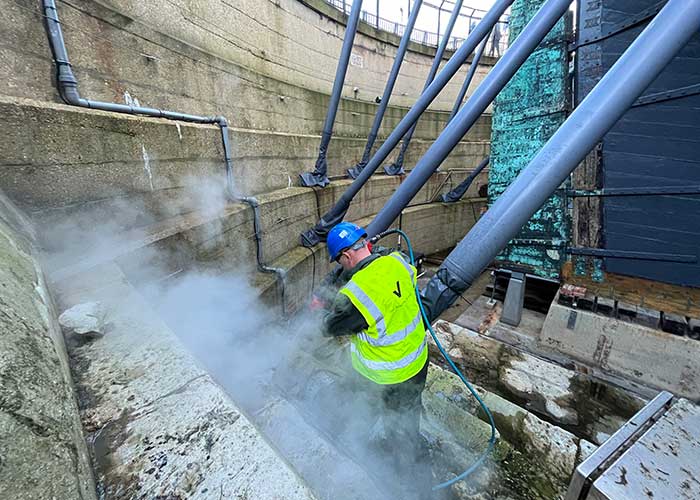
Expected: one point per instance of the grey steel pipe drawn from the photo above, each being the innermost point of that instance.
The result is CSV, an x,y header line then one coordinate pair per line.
x,y
318,233
280,273
68,90
457,193
500,75
396,168
401,52
470,76
634,71
319,177
440,17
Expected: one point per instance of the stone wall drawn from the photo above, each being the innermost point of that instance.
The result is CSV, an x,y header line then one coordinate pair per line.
x,y
42,450
55,155
55,158
265,65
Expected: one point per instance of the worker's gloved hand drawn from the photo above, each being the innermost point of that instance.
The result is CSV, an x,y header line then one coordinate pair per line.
x,y
317,303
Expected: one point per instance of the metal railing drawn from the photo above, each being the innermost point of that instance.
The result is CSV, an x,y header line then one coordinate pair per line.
x,y
497,44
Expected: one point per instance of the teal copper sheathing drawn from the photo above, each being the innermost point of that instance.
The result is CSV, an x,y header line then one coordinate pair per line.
x,y
526,114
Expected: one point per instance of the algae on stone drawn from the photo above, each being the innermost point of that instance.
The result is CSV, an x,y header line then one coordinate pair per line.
x,y
532,458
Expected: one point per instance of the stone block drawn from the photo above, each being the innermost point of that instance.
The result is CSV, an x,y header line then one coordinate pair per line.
x,y
643,355
627,312
694,326
605,306
675,324
554,392
544,385
586,303
648,317
541,457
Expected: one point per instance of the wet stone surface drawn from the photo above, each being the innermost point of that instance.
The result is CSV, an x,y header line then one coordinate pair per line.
x,y
532,458
587,407
158,426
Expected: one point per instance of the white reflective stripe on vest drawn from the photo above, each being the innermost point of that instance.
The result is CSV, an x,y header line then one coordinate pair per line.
x,y
404,264
390,365
370,305
392,338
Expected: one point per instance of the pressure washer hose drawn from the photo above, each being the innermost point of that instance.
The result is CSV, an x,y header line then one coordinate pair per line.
x,y
492,440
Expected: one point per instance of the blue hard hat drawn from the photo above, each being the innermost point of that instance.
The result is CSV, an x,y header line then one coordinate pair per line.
x,y
342,236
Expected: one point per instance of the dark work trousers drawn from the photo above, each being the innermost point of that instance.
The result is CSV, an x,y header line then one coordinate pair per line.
x,y
395,430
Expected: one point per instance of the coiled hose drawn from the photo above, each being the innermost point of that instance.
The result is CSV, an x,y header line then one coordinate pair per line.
x,y
492,440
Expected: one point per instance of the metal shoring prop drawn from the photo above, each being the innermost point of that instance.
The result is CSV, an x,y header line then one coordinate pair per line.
x,y
319,177
318,233
633,72
396,168
466,117
401,52
457,193
470,76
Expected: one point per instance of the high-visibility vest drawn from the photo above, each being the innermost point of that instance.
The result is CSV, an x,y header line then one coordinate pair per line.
x,y
393,347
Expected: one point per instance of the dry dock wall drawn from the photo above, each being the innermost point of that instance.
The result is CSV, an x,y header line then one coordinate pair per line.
x,y
265,65
42,450
232,58
204,58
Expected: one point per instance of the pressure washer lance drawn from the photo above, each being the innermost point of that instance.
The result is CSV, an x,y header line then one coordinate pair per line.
x,y
492,440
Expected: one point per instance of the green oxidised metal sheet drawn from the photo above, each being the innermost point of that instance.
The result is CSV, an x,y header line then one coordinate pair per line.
x,y
526,114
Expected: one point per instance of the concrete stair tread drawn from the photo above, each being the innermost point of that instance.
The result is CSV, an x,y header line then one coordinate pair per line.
x,y
133,240
139,381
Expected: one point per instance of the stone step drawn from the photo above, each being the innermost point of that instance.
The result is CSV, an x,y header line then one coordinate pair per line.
x,y
585,405
532,457
158,424
287,394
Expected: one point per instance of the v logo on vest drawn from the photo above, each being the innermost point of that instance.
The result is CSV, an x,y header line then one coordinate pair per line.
x,y
397,292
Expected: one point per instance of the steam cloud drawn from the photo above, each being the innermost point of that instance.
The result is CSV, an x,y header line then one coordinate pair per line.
x,y
254,354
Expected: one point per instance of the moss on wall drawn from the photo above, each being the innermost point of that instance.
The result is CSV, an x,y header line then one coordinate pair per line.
x,y
42,451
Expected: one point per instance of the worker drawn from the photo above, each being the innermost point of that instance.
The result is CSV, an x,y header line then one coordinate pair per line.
x,y
377,306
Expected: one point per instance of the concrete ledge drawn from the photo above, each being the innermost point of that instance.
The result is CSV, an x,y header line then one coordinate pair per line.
x,y
636,352
56,156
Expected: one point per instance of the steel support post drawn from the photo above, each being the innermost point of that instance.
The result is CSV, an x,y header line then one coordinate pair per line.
x,y
634,71
457,193
318,233
500,75
396,168
470,76
319,177
403,46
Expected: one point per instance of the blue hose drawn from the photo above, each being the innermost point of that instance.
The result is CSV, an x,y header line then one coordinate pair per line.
x,y
492,440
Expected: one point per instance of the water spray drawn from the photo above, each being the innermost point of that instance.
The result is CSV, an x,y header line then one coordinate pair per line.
x,y
492,439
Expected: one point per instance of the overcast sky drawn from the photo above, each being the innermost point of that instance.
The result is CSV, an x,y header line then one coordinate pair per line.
x,y
396,10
